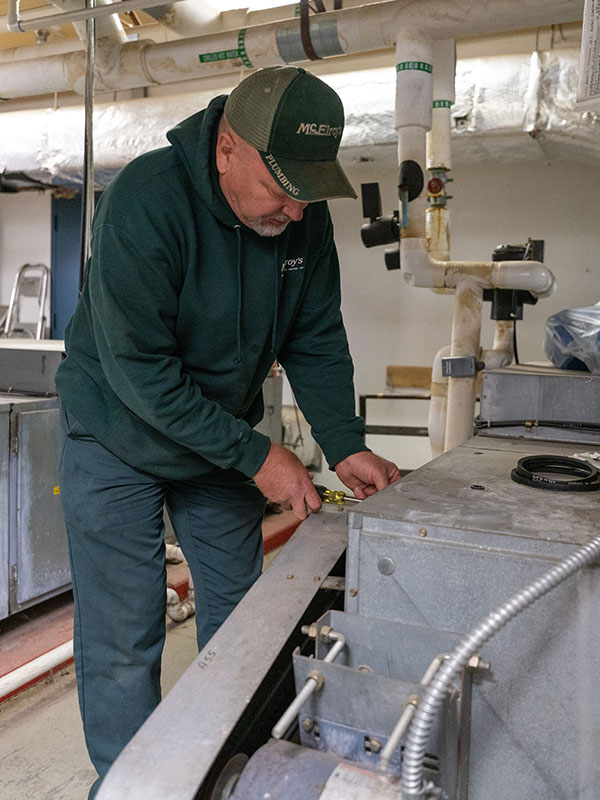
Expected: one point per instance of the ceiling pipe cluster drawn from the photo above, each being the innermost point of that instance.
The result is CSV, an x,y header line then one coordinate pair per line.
x,y
15,24
352,30
106,25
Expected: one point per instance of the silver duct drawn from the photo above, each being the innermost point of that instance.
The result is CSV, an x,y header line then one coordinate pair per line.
x,y
508,108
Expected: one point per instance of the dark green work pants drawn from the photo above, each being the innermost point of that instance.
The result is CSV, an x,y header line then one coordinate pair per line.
x,y
114,517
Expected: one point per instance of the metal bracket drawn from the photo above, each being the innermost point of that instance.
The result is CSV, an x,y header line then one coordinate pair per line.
x,y
461,366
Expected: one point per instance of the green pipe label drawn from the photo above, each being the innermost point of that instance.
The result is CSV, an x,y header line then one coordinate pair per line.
x,y
421,66
226,55
442,103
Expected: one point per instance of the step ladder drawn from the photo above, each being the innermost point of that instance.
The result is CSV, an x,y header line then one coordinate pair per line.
x,y
31,281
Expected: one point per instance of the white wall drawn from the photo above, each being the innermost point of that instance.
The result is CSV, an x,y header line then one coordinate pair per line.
x,y
24,238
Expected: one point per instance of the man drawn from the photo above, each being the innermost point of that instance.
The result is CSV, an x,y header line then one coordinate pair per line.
x,y
210,259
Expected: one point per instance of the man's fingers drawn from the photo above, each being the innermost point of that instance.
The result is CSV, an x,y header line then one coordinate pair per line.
x,y
300,508
313,501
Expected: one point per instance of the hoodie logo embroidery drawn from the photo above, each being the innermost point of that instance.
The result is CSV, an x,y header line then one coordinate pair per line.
x,y
292,265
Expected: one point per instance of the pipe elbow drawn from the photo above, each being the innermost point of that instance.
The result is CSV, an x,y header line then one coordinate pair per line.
x,y
531,276
417,265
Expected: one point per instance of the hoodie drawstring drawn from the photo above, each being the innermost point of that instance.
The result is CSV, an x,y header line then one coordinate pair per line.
x,y
239,292
276,309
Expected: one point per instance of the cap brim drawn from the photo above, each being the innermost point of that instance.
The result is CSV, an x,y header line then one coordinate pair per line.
x,y
309,181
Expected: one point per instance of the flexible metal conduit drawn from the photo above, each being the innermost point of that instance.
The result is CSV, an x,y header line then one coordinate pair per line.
x,y
418,734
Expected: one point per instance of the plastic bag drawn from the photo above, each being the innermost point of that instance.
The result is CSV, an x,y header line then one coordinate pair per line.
x,y
572,339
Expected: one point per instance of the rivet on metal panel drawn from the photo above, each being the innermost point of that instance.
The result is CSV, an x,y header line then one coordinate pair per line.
x,y
353,592
422,531
317,578
386,565
290,576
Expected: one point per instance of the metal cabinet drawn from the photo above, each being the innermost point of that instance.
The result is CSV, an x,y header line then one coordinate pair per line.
x,y
33,547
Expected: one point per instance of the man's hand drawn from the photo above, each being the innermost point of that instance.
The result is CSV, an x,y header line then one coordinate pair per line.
x,y
283,479
365,473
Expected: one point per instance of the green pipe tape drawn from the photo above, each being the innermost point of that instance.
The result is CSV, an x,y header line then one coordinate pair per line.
x,y
420,66
226,55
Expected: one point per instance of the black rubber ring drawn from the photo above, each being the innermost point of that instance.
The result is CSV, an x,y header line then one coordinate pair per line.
x,y
584,477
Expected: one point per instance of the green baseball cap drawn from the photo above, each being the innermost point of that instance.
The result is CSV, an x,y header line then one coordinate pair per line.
x,y
295,121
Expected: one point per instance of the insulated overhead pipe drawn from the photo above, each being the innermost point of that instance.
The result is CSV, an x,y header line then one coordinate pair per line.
x,y
352,30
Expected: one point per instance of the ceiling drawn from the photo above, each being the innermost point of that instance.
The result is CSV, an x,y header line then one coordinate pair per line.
x,y
133,20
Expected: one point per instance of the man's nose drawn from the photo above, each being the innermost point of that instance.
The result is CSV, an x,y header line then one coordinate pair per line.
x,y
294,209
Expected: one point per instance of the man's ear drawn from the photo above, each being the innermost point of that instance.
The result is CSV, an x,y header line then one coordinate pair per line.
x,y
224,152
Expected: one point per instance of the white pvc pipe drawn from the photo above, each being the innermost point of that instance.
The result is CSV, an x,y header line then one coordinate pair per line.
x,y
438,405
107,25
187,18
466,337
438,138
422,270
354,30
20,677
502,352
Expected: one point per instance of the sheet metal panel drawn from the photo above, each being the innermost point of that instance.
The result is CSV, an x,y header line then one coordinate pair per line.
x,y
29,366
41,553
4,493
455,539
525,392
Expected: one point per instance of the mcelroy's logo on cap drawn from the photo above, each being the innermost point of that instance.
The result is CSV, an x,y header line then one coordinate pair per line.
x,y
314,129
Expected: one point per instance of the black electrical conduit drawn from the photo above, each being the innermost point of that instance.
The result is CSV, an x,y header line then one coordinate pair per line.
x,y
418,734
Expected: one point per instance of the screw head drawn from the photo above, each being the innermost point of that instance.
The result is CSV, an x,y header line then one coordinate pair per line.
x,y
386,565
353,592
307,724
423,532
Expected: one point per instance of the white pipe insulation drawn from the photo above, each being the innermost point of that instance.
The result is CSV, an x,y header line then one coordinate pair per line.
x,y
36,668
351,30
422,270
187,18
108,26
466,337
422,202
438,405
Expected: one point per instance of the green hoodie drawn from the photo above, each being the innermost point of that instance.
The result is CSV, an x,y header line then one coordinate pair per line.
x,y
184,311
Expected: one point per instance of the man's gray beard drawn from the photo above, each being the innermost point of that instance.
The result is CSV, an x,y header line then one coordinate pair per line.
x,y
264,229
